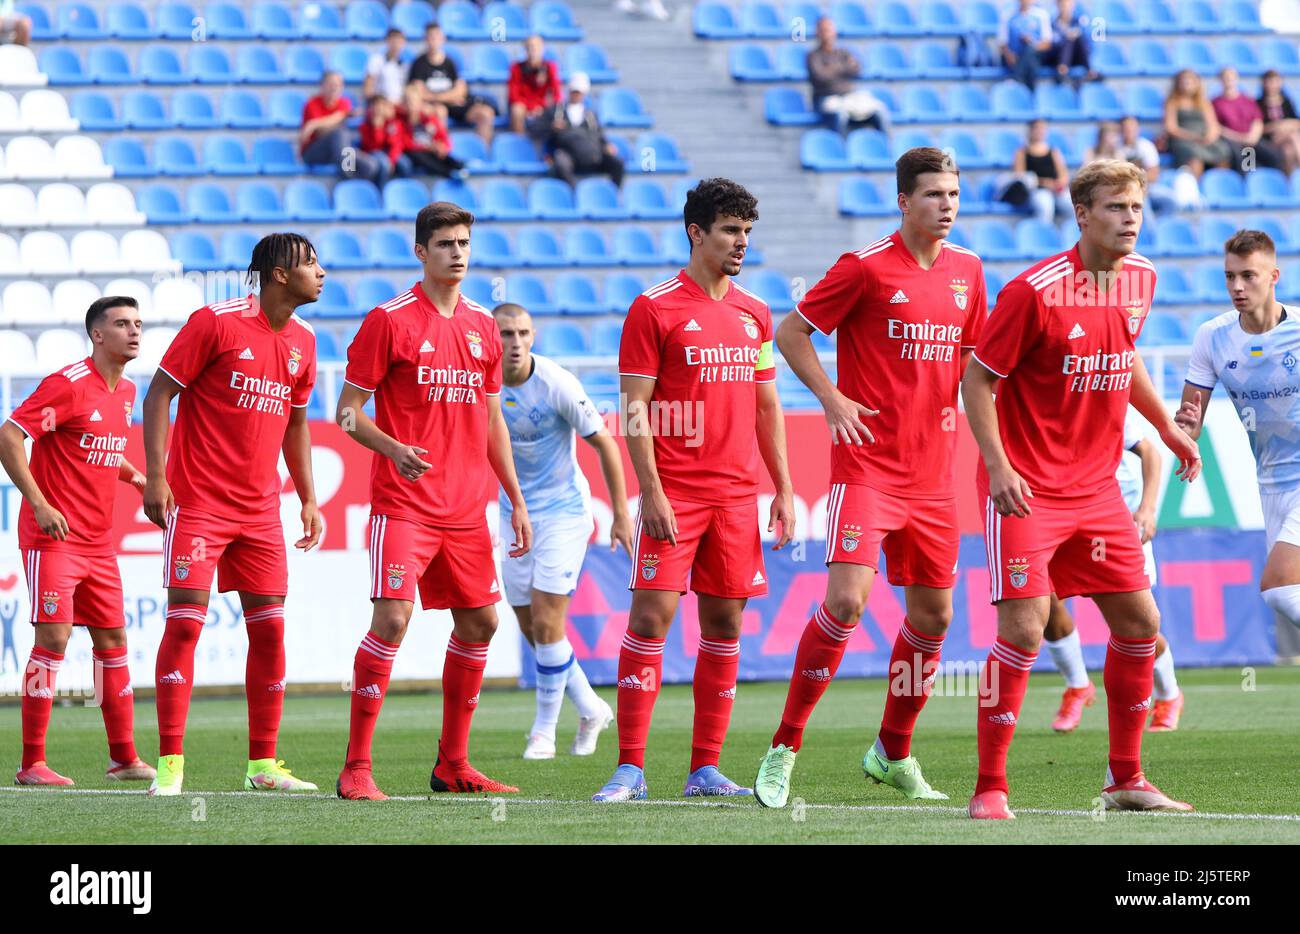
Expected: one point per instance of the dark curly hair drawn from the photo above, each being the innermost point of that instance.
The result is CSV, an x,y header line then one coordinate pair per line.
x,y
714,197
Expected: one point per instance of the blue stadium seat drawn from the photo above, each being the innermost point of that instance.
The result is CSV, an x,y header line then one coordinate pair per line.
x,y
457,192
1174,289
980,17
1110,59
553,20
645,200
490,63
307,200
788,107
226,21
340,249
195,251
773,288
209,65
1213,232
94,111
823,150
356,199
752,63
1242,16
461,22
1013,101
634,246
890,62
852,21
161,205
175,156
1224,188
1163,329
1240,55
333,303
761,20
303,65
591,60
274,155
538,248
922,104
1150,57
391,249
939,18
621,290
127,157
598,199
667,157
516,155
236,248
1118,17
470,148
480,289
896,19
143,110
403,199
256,65
1144,101
1156,16
503,200
969,103
606,337
993,283
859,197
242,110
675,248
802,15
1198,16
551,199
1209,283
995,242
225,155
1058,102
868,150
909,139
108,65
209,204
158,64
621,107
529,291
176,20
78,21
371,292
1273,227
585,246
320,21
411,17
1280,54
1001,146
365,19
260,203
492,248
576,294
965,149
1269,188
715,21
191,110
1100,102
936,60
792,61
1176,237
284,108
1036,239
129,21
498,16
349,61
562,340
63,66
1196,55
273,21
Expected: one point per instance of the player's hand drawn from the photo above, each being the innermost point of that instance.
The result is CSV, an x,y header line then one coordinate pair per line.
x,y
1187,451
782,512
620,533
657,518
409,464
1009,492
523,529
50,521
158,501
137,481
1146,523
844,418
311,527
1188,416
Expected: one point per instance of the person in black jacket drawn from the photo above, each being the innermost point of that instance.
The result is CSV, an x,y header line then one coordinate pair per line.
x,y
575,142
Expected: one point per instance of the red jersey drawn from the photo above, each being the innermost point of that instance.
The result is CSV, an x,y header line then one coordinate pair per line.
x,y
902,332
431,376
239,379
1065,352
705,357
316,108
78,429
534,87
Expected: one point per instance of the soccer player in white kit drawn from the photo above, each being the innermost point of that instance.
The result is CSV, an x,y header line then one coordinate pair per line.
x,y
544,406
1253,351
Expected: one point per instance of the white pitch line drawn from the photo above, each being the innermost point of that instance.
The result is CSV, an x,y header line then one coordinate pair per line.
x,y
553,802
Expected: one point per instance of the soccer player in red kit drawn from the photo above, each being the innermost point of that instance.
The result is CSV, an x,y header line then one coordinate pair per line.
x,y
244,369
697,372
432,360
1058,354
77,420
908,309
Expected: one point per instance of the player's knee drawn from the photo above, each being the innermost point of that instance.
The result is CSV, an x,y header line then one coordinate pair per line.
x,y
1285,601
931,622
389,623
649,623
110,639
846,607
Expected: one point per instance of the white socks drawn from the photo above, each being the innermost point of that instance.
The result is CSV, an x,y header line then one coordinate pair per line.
x,y
1166,683
1285,601
1067,654
558,673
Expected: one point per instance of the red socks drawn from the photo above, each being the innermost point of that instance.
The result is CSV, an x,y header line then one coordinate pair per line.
x,y
174,673
715,694
1127,676
462,676
370,672
912,666
1002,691
116,703
821,649
264,678
640,664
38,697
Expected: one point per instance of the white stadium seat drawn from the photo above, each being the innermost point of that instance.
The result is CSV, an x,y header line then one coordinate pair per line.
x,y
138,290
80,157
177,298
112,204
147,251
11,262
153,344
16,352
19,205
27,302
18,68
30,157
11,120
71,299
45,253
58,347
47,112
61,205
96,251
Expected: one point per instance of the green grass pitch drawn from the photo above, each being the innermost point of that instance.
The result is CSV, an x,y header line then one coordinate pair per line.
x,y
1233,758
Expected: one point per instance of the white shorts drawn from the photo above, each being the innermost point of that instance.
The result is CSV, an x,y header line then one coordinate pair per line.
x,y
553,564
1150,567
1281,517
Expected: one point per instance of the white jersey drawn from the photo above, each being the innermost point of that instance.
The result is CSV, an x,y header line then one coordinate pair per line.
x,y
543,413
1129,473
1259,373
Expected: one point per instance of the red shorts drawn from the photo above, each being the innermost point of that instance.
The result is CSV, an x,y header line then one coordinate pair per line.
x,y
1074,549
85,590
246,553
718,547
454,568
920,536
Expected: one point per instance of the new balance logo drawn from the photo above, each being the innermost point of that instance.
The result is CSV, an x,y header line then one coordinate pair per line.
x,y
632,683
277,688
692,326
95,416
371,691
1076,331
247,354
729,693
174,678
898,298
1003,719
426,347
758,578
817,674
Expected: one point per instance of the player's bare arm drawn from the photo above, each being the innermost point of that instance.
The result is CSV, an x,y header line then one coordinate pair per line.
x,y
770,426
129,473
611,468
1008,490
656,512
13,456
844,416
158,499
1148,402
350,415
1190,416
1145,514
297,457
503,465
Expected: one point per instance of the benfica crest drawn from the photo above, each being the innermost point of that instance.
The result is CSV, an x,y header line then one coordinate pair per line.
x,y
50,602
475,343
1134,318
850,539
649,567
396,575
126,410
295,361
959,297
751,327
182,568
1018,572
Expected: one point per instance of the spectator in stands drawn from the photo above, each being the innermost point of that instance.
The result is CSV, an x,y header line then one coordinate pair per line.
x,y
654,9
1049,194
324,137
1107,145
419,148
434,79
1242,124
1025,36
430,150
1124,141
833,73
15,27
575,143
533,89
1281,126
1191,128
386,72
1071,42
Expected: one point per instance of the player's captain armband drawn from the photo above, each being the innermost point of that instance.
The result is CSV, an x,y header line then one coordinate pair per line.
x,y
765,360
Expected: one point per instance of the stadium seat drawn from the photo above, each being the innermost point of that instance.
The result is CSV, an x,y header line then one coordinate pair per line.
x,y
1280,54
576,294
97,252
515,154
621,107
332,303
1100,102
1110,59
1224,188
157,64
1151,57
1175,237
307,200
585,246
1144,101
591,60
1013,101
1174,288
237,248
969,103
1269,188
489,63
715,21
538,248
922,104
1163,328
1156,16
458,192
598,199
461,21
403,199
1196,55
225,155
482,290
340,249
371,292
411,17
562,340
1240,55
859,197
174,156
365,19
349,61
242,110
1242,16
675,247
645,200
1209,283
58,347
320,21
553,20
503,21
128,21
909,139
259,202
788,107
226,21
529,291
965,149
1036,239
20,206
761,20
30,157
27,303
633,246
890,62
70,299
143,110
161,205
389,249
823,150
773,288
470,148
995,242
1118,17
606,336
356,199
621,290
868,150
492,248
936,60
209,65
1058,102
275,156
78,21
752,63
78,157
1282,240
284,108
94,112
11,263
273,21
209,204
852,21
176,20
195,251
192,110
551,199
63,67
256,65
44,111
303,65
19,66
896,19
61,205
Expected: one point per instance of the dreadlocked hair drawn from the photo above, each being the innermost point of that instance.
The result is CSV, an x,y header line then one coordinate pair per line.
x,y
285,250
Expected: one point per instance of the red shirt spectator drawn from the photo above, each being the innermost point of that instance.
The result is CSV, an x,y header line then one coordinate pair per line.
x,y
385,130
534,82
326,104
